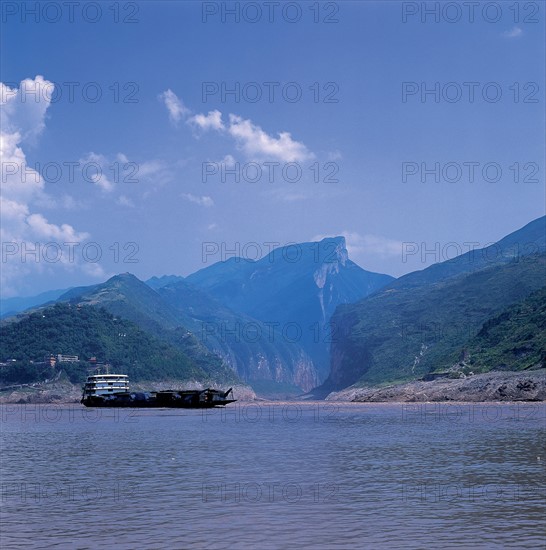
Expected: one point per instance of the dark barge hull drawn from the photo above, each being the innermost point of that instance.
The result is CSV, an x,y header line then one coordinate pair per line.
x,y
193,399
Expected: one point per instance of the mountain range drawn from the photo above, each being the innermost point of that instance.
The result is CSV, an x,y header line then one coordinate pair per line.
x,y
266,321
305,317
12,306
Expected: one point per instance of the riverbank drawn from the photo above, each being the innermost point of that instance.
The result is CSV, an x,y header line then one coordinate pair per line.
x,y
491,386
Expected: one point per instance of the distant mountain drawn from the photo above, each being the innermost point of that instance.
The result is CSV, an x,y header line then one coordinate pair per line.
x,y
529,240
87,332
255,351
129,298
420,322
203,328
11,306
158,282
295,289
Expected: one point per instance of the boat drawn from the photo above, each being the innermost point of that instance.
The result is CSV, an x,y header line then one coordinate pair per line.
x,y
112,390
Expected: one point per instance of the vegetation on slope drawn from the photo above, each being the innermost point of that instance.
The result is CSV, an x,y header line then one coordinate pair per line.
x,y
402,334
512,340
88,332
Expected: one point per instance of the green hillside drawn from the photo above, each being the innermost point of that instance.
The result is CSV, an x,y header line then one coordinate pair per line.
x,y
87,332
513,340
127,297
405,333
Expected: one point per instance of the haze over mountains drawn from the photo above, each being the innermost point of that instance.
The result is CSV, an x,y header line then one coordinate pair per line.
x,y
11,306
255,351
307,317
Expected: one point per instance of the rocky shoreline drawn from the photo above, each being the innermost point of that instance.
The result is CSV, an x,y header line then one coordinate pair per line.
x,y
491,386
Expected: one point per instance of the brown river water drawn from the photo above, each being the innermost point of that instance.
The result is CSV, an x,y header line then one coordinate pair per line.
x,y
274,475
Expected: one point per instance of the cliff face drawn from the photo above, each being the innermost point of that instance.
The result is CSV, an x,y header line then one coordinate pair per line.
x,y
346,364
268,321
300,372
325,278
254,350
305,375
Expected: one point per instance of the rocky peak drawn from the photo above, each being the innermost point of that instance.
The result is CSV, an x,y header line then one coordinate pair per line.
x,y
331,255
332,250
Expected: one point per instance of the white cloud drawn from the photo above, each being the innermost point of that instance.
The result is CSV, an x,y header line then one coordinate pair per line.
x,y
293,197
250,138
280,194
211,121
109,173
24,108
228,161
154,173
514,32
23,112
19,181
45,230
361,247
175,106
150,169
205,201
69,203
125,201
97,168
256,143
95,270
12,210
60,202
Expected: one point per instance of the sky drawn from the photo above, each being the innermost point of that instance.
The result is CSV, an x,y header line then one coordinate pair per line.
x,y
161,137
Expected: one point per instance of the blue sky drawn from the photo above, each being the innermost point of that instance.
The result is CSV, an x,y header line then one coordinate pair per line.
x,y
153,133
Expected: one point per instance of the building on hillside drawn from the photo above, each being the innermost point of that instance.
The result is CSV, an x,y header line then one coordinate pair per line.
x,y
67,358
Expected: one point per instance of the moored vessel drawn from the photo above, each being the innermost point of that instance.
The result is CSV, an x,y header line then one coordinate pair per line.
x,y
112,390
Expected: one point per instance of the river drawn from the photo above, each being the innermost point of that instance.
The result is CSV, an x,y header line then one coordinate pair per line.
x,y
274,475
